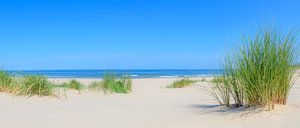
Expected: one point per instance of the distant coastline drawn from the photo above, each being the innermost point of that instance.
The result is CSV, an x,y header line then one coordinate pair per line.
x,y
134,73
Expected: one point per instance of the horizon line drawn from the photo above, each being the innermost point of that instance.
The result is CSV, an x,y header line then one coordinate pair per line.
x,y
109,69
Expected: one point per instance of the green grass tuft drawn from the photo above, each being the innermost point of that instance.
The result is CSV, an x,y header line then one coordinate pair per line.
x,y
111,83
259,72
26,86
73,84
181,83
35,85
6,82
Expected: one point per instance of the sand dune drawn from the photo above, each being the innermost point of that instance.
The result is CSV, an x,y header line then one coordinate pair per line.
x,y
150,105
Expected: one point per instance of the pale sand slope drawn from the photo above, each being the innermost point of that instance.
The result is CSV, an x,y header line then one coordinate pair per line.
x,y
150,105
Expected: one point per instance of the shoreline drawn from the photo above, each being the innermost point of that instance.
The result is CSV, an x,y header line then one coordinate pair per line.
x,y
87,81
95,74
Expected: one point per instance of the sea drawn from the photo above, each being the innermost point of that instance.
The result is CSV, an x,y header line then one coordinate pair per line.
x,y
161,73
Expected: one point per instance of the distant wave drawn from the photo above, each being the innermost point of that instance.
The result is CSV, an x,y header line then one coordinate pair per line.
x,y
131,73
168,76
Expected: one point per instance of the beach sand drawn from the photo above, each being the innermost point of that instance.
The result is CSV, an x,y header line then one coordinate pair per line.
x,y
150,105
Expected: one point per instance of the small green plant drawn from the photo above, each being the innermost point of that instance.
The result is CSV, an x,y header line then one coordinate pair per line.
x,y
35,85
111,83
181,83
73,84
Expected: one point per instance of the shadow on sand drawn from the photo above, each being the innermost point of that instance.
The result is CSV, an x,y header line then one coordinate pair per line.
x,y
222,110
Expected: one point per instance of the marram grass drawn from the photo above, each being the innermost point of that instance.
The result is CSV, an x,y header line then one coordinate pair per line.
x,y
111,83
39,85
25,86
73,84
181,83
35,85
6,82
260,71
28,85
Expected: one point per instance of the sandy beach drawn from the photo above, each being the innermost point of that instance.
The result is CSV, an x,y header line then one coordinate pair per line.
x,y
149,105
149,64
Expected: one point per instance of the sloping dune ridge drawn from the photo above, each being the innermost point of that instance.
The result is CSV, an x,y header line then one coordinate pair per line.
x,y
150,105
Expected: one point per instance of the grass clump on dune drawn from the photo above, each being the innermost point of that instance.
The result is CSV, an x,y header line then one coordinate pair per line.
x,y
6,82
73,84
35,85
259,72
181,83
38,85
111,83
28,85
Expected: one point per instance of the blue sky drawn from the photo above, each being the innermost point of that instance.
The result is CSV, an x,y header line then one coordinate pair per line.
x,y
129,34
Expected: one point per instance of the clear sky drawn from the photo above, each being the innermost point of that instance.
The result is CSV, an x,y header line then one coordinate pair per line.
x,y
129,34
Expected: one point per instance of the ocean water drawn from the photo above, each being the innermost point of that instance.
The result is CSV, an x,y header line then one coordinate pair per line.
x,y
131,73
